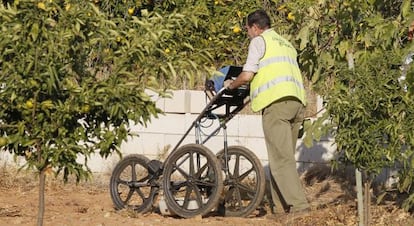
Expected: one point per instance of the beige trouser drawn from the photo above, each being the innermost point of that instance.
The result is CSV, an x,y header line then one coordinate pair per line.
x,y
281,123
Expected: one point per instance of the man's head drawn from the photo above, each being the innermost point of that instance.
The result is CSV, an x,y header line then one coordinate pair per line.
x,y
257,22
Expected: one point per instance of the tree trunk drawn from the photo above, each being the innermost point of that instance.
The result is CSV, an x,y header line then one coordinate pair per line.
x,y
360,196
41,207
367,203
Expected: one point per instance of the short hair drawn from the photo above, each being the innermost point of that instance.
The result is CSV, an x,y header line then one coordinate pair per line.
x,y
260,18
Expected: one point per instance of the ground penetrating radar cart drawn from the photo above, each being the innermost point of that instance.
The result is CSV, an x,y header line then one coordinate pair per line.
x,y
193,180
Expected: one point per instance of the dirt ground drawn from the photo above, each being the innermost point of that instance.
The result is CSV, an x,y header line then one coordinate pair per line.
x,y
332,199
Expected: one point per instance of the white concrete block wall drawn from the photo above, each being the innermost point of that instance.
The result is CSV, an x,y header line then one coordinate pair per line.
x,y
180,112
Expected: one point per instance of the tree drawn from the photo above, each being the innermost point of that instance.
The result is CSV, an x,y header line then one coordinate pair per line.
x,y
72,81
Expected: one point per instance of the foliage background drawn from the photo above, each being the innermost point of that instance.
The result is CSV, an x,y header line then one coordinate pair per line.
x,y
73,73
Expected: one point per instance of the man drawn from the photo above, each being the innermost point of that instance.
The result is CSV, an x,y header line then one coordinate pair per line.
x,y
276,89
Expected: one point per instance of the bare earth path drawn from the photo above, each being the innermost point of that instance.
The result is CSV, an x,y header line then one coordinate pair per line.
x,y
90,204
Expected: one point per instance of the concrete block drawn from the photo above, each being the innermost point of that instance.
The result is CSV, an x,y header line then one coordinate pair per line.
x,y
215,144
250,125
168,123
221,110
179,103
134,145
97,164
233,126
189,121
245,125
258,147
149,144
173,139
198,102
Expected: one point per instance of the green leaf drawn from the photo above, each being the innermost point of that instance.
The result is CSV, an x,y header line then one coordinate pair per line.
x,y
380,197
316,75
172,70
303,36
34,32
308,140
406,184
407,8
13,97
343,47
77,27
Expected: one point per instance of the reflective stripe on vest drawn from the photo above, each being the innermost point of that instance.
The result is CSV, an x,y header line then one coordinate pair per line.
x,y
278,59
274,82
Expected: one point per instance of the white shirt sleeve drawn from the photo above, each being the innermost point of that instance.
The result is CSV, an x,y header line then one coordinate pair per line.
x,y
256,52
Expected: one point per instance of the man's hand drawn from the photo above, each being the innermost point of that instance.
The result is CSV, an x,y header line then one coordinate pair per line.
x,y
242,79
227,83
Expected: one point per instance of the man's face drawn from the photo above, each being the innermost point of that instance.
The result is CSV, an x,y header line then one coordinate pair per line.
x,y
252,31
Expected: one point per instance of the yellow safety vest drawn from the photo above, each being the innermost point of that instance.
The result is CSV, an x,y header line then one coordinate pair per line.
x,y
278,75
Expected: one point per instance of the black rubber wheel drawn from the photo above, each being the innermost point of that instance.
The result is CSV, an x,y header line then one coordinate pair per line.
x,y
192,181
129,184
244,185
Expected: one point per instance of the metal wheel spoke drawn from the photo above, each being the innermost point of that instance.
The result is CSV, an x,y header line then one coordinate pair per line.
x,y
182,172
130,193
133,172
179,164
191,159
141,194
245,174
199,196
201,170
144,178
229,193
205,183
177,185
246,188
187,196
234,195
238,197
120,181
237,166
